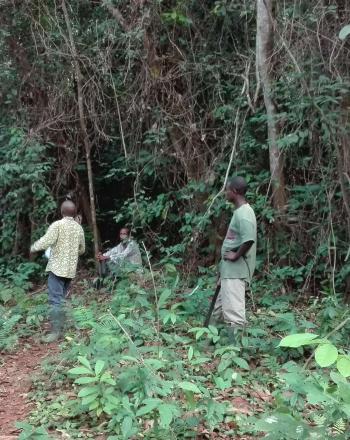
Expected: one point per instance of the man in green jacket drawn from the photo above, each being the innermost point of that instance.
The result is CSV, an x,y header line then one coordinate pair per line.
x,y
66,239
238,256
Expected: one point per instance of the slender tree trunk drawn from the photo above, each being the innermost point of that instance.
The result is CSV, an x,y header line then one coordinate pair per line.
x,y
82,120
343,159
264,55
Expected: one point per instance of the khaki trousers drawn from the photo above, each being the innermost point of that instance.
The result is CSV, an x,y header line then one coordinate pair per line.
x,y
230,303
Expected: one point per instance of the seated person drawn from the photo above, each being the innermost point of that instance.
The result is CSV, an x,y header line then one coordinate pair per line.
x,y
126,253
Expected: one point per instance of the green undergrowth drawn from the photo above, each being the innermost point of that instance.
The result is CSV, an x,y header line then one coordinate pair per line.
x,y
137,363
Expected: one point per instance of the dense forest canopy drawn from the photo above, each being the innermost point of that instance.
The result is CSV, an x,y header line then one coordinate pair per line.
x,y
152,102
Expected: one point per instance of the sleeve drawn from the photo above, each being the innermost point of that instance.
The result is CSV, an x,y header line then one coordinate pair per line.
x,y
247,230
48,240
81,242
113,254
108,253
129,250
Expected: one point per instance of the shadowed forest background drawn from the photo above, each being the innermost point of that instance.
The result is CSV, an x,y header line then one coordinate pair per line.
x,y
168,90
140,109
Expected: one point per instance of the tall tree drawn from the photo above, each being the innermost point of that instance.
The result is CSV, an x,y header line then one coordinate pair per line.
x,y
264,60
83,127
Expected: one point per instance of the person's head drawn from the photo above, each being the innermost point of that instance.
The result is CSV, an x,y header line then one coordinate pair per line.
x,y
124,234
68,209
236,189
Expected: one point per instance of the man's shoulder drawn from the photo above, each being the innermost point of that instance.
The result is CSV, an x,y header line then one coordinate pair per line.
x,y
247,209
246,212
55,224
72,224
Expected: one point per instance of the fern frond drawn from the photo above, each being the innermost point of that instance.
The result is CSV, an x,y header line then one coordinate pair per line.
x,y
83,317
6,331
319,420
340,426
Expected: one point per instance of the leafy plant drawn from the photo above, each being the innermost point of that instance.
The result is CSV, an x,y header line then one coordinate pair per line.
x,y
98,394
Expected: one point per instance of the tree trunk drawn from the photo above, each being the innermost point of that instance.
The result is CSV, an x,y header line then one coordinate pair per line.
x,y
343,159
264,55
87,143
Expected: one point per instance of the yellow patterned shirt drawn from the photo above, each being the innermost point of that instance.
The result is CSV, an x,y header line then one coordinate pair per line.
x,y
66,239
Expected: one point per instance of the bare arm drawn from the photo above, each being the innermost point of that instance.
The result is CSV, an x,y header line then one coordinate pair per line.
x,y
242,250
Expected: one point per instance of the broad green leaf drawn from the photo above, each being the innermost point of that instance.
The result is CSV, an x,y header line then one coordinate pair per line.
x,y
213,330
190,353
346,409
167,413
113,400
107,378
155,364
344,32
297,340
79,370
315,394
344,391
126,426
85,362
163,297
188,386
220,351
84,380
242,363
99,367
89,399
86,391
221,384
337,378
343,366
201,360
94,405
149,407
224,363
109,408
326,355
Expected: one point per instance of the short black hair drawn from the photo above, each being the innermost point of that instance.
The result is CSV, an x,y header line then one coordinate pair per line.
x,y
68,209
238,184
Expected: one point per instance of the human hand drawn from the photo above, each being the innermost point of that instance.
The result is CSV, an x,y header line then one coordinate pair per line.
x,y
230,256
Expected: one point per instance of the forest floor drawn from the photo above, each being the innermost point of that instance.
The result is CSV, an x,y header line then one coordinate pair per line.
x,y
16,374
132,366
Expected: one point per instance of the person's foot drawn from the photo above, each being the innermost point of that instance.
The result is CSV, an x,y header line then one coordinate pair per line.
x,y
234,336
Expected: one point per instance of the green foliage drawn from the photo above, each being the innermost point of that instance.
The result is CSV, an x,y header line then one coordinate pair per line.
x,y
97,395
8,337
29,432
23,181
330,394
326,354
162,89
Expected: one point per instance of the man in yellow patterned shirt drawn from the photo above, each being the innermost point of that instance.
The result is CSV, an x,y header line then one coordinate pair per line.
x,y
66,239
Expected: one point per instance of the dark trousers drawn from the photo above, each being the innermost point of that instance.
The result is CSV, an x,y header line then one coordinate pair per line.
x,y
58,287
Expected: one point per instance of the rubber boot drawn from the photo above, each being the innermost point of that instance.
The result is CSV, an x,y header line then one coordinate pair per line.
x,y
234,336
57,322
